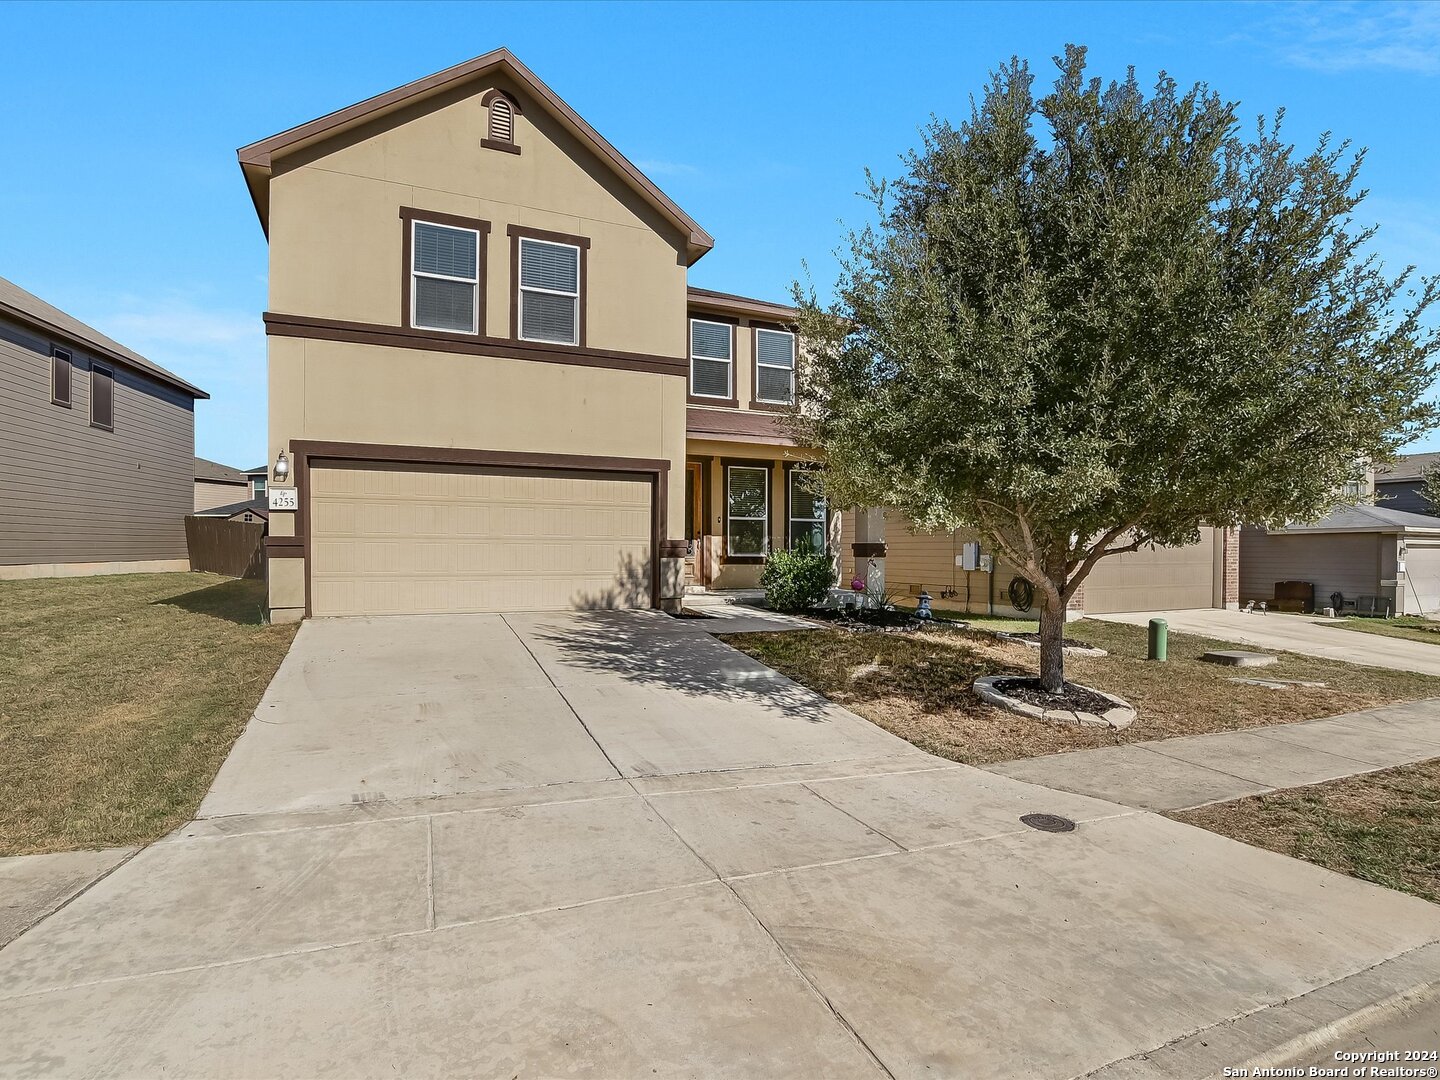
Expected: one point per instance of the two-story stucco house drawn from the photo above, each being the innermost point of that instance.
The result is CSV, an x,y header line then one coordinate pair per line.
x,y
491,383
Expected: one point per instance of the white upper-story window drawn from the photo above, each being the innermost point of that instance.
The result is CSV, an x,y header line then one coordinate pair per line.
x,y
774,367
445,278
712,360
549,291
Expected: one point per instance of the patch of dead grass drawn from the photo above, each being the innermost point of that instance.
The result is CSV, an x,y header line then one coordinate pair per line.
x,y
1382,827
119,698
920,686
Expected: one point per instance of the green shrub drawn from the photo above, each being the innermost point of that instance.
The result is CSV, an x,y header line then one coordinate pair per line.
x,y
796,580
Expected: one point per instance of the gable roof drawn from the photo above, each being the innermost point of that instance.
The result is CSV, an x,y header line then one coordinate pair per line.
x,y
1367,519
1406,467
256,159
28,308
257,507
205,469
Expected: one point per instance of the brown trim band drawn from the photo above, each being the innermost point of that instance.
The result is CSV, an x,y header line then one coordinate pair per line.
x,y
415,213
285,547
400,337
868,551
674,549
306,453
496,144
582,242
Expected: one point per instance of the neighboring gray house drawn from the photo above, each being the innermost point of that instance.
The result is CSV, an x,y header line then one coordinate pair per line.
x,y
99,447
218,485
1397,487
1356,551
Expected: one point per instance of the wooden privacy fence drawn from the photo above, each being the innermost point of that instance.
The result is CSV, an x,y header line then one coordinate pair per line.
x,y
233,548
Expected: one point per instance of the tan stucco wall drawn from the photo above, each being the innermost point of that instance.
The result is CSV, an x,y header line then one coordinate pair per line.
x,y
336,235
336,250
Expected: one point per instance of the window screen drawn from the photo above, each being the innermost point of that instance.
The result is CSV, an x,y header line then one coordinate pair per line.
x,y
102,398
445,277
774,366
807,513
60,376
747,509
711,361
549,292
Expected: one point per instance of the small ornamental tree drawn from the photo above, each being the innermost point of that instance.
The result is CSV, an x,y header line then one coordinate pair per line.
x,y
1098,319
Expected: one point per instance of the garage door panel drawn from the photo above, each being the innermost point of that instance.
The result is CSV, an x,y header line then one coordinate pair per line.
x,y
397,540
1157,579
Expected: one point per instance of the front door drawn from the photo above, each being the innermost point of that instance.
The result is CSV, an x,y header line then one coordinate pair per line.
x,y
694,524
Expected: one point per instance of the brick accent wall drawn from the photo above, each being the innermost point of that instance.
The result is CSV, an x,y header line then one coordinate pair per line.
x,y
1231,567
1075,606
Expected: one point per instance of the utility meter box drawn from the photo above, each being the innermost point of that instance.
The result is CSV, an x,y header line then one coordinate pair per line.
x,y
970,556
987,563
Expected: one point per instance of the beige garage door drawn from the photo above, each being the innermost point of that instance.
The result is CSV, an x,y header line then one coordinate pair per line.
x,y
396,540
1162,579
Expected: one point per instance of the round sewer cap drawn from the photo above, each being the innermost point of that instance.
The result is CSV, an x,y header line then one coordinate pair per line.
x,y
1048,822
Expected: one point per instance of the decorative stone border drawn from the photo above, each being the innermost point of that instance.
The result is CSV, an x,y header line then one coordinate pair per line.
x,y
1070,650
1117,718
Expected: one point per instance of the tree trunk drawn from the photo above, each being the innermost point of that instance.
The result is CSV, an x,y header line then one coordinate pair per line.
x,y
1052,647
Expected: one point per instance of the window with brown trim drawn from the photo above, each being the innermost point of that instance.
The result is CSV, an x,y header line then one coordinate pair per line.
x,y
712,360
774,367
444,277
102,398
549,291
61,370
747,511
807,522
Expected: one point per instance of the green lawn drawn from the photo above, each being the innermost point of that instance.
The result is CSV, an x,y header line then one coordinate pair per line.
x,y
1383,827
119,698
921,691
1409,627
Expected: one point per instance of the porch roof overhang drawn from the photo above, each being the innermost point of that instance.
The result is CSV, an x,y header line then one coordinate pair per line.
x,y
725,425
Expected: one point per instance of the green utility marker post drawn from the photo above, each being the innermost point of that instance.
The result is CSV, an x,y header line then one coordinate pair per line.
x,y
1159,639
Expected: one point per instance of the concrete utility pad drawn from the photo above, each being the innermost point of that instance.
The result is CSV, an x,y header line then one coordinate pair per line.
x,y
1239,658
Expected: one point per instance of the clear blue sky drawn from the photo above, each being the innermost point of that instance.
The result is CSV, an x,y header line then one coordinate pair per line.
x,y
123,203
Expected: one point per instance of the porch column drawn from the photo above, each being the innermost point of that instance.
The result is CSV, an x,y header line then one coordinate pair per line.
x,y
869,548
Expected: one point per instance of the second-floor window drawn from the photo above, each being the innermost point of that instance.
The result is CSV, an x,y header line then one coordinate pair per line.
x,y
60,368
774,367
445,278
257,487
712,361
549,291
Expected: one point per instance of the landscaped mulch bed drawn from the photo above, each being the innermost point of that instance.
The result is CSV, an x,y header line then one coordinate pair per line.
x,y
1071,697
1383,827
917,685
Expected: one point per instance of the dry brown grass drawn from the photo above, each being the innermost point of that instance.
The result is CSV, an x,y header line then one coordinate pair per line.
x,y
922,690
119,699
1383,827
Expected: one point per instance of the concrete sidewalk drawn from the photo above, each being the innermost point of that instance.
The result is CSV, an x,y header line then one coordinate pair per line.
x,y
609,845
1177,774
1295,633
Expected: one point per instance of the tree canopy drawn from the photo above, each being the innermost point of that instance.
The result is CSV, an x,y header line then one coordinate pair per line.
x,y
1100,318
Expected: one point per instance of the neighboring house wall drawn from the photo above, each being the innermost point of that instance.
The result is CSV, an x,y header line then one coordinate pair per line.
x,y
79,498
212,493
1349,563
1403,495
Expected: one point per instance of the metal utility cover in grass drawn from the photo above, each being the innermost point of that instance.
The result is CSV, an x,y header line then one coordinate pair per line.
x,y
1239,658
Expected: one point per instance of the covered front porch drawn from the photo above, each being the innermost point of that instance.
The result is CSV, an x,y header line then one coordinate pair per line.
x,y
744,501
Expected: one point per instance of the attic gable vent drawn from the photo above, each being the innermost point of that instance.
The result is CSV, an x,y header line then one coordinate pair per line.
x,y
501,135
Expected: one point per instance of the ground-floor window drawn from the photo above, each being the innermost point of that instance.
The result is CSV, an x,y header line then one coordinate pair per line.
x,y
747,509
807,530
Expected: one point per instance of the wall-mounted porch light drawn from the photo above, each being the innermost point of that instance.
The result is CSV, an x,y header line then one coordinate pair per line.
x,y
282,467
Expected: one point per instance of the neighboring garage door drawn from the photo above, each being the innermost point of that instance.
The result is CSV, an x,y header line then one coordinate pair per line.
x,y
1160,579
1422,578
393,540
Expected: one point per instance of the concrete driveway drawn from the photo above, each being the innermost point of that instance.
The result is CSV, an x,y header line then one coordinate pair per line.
x,y
1295,633
608,845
